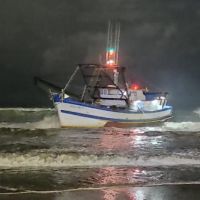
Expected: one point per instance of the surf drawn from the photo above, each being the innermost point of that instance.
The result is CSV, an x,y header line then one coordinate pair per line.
x,y
48,159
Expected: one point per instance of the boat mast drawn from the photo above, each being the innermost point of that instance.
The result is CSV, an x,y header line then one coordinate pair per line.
x,y
112,49
112,54
117,37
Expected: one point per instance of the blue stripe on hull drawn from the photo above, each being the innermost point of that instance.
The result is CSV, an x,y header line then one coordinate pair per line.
x,y
110,119
98,107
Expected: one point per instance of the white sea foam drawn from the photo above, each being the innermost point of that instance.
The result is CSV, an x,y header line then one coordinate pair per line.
x,y
26,109
171,126
9,160
51,121
197,111
181,126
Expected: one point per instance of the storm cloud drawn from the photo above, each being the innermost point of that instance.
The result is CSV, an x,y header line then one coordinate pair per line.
x,y
160,44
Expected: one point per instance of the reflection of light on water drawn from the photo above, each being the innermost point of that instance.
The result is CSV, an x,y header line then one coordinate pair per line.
x,y
148,129
110,194
137,131
137,170
132,175
137,139
117,139
141,140
154,142
137,195
131,194
116,176
109,175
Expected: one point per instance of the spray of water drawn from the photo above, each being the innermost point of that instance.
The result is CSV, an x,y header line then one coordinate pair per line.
x,y
197,111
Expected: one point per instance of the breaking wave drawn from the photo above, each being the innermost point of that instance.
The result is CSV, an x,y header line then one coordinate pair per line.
x,y
28,118
182,126
8,160
46,118
45,123
53,122
174,126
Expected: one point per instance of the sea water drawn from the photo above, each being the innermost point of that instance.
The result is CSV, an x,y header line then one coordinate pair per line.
x,y
39,160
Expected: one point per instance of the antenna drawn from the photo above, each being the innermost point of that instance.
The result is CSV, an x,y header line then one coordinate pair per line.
x,y
108,39
117,43
112,49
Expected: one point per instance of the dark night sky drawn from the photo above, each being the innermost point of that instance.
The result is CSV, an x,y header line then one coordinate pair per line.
x,y
160,44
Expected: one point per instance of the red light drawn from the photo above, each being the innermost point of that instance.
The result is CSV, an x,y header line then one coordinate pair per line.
x,y
134,87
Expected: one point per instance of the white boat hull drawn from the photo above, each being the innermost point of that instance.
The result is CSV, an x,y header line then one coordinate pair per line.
x,y
77,114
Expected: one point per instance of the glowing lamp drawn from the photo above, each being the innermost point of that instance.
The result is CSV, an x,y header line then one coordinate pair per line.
x,y
110,62
135,87
111,52
110,57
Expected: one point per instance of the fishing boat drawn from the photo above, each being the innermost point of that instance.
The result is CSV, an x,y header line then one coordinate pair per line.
x,y
98,95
